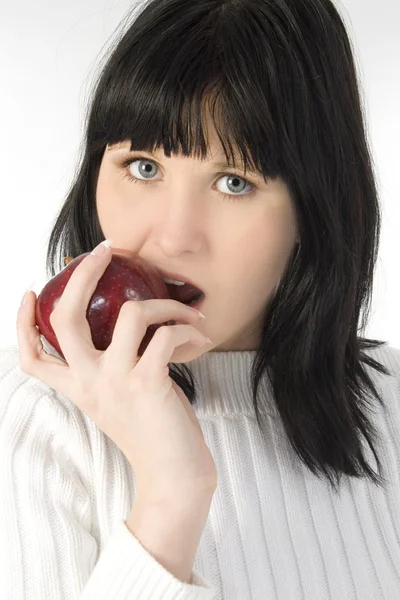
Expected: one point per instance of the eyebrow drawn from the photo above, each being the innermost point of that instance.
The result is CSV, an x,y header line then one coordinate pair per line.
x,y
217,165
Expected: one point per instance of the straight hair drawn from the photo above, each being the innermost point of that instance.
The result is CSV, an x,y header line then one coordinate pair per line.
x,y
279,81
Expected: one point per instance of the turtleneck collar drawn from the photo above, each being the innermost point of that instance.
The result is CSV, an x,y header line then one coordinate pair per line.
x,y
223,385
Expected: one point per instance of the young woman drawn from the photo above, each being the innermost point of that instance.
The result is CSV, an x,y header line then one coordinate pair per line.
x,y
245,468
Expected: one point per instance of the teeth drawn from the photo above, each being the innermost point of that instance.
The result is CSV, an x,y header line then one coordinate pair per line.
x,y
173,281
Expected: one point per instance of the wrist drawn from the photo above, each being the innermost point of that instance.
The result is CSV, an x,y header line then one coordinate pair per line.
x,y
170,531
174,497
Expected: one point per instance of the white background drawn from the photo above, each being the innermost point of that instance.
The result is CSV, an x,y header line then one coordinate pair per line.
x,y
50,53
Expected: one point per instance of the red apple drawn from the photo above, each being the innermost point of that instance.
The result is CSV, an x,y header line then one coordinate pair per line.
x,y
127,277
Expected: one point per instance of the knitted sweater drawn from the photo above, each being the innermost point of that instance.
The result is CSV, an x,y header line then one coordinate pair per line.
x,y
274,531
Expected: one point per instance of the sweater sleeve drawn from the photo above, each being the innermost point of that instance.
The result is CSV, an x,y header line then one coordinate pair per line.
x,y
47,549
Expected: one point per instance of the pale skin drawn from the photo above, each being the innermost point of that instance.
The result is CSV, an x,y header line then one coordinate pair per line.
x,y
236,251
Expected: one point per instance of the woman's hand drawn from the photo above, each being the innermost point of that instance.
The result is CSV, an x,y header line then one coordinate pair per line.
x,y
131,399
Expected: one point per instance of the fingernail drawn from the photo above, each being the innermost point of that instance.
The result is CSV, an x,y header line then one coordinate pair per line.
x,y
197,312
25,298
208,341
101,248
28,289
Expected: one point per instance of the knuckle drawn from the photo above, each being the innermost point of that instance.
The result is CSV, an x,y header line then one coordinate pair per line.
x,y
165,333
55,317
60,316
132,305
131,308
180,305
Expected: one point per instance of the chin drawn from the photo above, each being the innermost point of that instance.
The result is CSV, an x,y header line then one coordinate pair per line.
x,y
188,352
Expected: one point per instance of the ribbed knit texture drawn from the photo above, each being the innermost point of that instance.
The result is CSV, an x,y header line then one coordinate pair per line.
x,y
274,531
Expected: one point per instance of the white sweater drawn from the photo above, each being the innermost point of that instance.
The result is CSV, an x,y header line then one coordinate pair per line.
x,y
274,531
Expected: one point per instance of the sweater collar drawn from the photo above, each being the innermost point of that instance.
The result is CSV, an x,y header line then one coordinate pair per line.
x,y
223,385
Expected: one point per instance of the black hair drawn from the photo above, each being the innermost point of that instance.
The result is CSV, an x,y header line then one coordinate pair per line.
x,y
279,81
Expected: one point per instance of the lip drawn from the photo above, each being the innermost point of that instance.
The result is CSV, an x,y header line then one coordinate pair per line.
x,y
199,302
179,277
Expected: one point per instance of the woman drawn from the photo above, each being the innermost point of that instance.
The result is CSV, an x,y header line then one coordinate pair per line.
x,y
241,469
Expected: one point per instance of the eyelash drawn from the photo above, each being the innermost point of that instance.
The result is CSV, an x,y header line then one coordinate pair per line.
x,y
231,198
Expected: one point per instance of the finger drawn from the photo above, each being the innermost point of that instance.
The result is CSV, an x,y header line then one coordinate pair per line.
x,y
33,359
133,320
69,320
154,363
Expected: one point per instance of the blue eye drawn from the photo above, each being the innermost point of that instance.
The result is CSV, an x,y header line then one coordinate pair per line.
x,y
230,197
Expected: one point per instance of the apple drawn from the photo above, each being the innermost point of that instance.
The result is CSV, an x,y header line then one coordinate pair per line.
x,y
127,277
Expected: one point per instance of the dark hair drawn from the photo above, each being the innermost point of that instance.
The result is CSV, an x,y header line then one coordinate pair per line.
x,y
279,80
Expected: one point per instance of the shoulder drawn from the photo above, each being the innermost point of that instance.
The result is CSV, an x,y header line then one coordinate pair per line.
x,y
388,384
14,382
388,356
30,407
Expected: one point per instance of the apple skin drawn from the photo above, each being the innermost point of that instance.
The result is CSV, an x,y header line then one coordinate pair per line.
x,y
127,277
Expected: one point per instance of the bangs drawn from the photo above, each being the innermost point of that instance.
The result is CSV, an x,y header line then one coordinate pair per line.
x,y
183,82
278,83
180,124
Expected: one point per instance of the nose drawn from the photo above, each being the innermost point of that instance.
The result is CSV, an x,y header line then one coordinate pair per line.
x,y
179,228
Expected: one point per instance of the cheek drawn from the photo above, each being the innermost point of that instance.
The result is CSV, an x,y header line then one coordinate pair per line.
x,y
104,190
113,220
109,221
259,259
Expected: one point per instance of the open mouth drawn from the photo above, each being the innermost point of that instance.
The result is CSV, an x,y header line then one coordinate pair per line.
x,y
195,303
187,294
